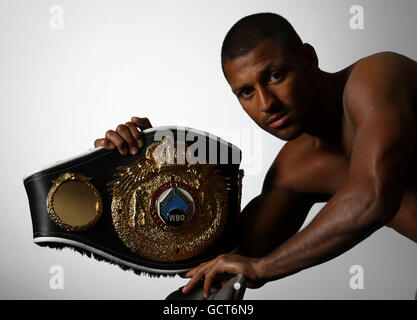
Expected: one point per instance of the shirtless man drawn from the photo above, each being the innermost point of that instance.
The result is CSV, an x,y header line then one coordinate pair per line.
x,y
351,143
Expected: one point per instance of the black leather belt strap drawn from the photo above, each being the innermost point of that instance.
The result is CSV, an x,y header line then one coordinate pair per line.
x,y
101,239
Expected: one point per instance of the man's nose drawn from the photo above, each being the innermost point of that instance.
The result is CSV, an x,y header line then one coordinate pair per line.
x,y
266,100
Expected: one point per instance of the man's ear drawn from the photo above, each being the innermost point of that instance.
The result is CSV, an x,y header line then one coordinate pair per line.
x,y
309,57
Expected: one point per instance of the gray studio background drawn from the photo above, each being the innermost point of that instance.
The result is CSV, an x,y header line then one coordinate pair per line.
x,y
60,89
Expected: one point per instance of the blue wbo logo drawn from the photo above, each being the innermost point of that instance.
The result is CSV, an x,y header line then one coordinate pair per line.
x,y
175,207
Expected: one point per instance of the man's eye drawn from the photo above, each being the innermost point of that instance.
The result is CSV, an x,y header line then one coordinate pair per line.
x,y
276,76
245,93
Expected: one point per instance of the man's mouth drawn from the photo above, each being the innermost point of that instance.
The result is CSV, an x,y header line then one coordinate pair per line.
x,y
278,119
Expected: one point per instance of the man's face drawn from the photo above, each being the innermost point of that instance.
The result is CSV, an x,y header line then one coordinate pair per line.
x,y
275,87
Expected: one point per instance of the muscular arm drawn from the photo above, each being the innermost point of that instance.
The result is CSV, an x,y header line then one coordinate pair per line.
x,y
382,115
292,185
270,219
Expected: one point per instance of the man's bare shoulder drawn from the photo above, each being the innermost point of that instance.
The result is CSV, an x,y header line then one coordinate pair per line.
x,y
307,165
381,73
375,85
386,61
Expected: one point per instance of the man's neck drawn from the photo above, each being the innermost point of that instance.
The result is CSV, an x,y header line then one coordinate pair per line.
x,y
326,122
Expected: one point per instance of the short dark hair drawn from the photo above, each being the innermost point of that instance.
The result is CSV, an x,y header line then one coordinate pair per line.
x,y
251,30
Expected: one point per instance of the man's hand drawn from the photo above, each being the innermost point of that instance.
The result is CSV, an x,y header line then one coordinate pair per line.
x,y
126,138
225,264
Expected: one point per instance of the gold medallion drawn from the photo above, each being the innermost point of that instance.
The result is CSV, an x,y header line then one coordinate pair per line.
x,y
73,202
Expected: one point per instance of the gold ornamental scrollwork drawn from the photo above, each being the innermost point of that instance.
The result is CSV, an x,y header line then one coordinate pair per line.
x,y
135,192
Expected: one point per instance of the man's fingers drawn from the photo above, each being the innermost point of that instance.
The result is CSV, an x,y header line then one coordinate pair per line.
x,y
125,133
189,274
141,123
208,281
103,142
126,138
118,141
137,136
194,280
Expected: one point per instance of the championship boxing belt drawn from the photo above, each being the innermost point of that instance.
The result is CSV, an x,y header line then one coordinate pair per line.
x,y
162,211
